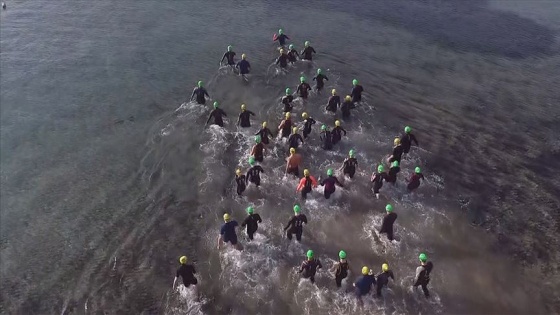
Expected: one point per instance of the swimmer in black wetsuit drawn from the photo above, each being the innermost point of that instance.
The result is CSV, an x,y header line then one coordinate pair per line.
x,y
337,132
293,54
240,180
383,278
265,133
347,106
186,272
200,92
350,164
397,152
229,56
287,100
407,138
393,171
307,123
377,179
258,150
283,59
281,37
310,266
334,102
326,138
320,77
228,233
357,91
303,88
244,119
254,173
340,269
388,221
294,139
252,222
295,225
285,126
218,115
307,52
330,184
244,66
414,181
423,271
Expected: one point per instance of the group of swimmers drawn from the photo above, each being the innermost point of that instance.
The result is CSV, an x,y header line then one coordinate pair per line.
x,y
329,138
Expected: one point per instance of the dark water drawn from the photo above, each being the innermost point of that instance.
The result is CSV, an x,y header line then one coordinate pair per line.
x,y
107,176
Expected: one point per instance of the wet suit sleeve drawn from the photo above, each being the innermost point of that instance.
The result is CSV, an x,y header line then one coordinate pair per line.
x,y
344,130
210,117
245,221
260,169
300,138
193,93
239,119
206,92
301,184
247,177
313,50
391,275
418,272
304,218
312,121
373,177
323,182
278,60
413,138
251,113
224,57
313,181
290,223
319,265
258,217
326,78
303,265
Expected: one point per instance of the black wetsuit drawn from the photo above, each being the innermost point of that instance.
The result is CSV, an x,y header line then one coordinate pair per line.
x,y
259,152
415,181
282,39
295,226
349,166
282,60
333,104
423,277
244,67
252,222
287,101
345,109
337,134
186,272
341,272
330,185
265,134
287,129
392,174
294,140
383,280
326,137
229,56
377,180
357,93
245,118
200,92
309,269
406,141
241,183
387,225
320,81
217,113
307,53
303,90
307,126
397,154
254,175
293,55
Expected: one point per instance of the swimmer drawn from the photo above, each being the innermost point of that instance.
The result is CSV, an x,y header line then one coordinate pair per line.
x,y
320,77
388,221
244,66
265,133
252,222
350,164
293,54
377,180
283,59
287,100
307,52
340,269
241,182
186,272
229,56
303,88
407,138
295,138
285,126
326,138
337,132
422,277
254,173
393,171
258,150
357,91
310,266
200,92
346,106
244,119
293,162
306,184
383,278
218,114
307,123
363,284
397,152
330,184
281,37
334,102
4,5
228,233
295,225
414,181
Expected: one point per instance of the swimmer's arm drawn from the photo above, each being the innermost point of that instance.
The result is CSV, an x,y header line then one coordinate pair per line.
x,y
220,241
175,282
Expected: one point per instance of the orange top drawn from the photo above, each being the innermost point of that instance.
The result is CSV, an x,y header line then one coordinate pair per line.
x,y
303,181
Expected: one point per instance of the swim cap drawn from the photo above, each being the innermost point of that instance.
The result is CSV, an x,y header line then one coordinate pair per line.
x,y
407,129
389,207
291,46
297,209
305,172
288,91
215,104
385,267
237,172
342,254
365,270
380,168
330,172
292,150
243,56
395,164
280,31
417,170
354,82
251,160
229,48
319,71
250,210
183,260
306,43
226,217
423,257
264,124
287,115
397,141
348,98
333,92
302,79
294,130
351,153
310,254
323,127
258,139
282,51
199,83
243,107
337,123
304,115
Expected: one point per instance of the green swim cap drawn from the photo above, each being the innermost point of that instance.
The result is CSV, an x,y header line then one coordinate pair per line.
x,y
407,129
302,79
250,210
310,254
288,91
342,254
351,153
330,172
251,160
229,48
354,82
257,139
423,257
380,168
215,104
319,71
389,207
291,46
306,43
199,84
417,170
323,127
395,164
280,31
297,209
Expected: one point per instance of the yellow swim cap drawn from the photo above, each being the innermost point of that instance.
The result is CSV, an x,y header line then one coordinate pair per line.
x,y
292,150
304,115
305,172
243,56
294,130
337,123
226,217
365,270
282,51
333,92
183,260
397,141
288,115
264,124
348,98
243,107
385,267
237,172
